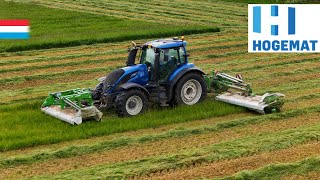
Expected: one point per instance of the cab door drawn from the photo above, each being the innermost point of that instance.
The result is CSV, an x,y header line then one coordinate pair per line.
x,y
169,60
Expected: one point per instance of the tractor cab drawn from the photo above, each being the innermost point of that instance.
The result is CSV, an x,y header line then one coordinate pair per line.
x,y
161,57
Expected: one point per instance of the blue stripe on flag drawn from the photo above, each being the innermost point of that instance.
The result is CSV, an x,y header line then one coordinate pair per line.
x,y
5,35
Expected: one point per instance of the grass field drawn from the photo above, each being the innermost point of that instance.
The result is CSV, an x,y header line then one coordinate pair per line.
x,y
211,140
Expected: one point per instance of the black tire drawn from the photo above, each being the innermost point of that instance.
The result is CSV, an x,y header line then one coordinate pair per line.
x,y
195,77
123,97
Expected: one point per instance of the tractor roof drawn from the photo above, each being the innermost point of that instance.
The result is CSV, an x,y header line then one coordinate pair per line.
x,y
166,43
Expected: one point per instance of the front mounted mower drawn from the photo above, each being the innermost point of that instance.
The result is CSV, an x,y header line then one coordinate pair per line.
x,y
157,72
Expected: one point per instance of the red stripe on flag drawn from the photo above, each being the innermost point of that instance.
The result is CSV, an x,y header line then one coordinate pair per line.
x,y
14,22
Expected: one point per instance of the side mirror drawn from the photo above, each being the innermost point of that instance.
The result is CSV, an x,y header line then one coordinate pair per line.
x,y
131,57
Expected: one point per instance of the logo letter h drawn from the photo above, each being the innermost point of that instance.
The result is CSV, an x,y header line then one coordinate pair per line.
x,y
274,13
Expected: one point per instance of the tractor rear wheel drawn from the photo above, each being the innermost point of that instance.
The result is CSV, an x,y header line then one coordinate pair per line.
x,y
190,89
131,102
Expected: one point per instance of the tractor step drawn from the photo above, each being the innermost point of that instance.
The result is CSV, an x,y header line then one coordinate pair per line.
x,y
158,95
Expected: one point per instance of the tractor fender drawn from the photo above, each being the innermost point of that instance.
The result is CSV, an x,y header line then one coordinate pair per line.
x,y
131,85
171,84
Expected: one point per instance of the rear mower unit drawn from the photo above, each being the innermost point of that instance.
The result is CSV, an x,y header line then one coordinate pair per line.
x,y
157,72
234,90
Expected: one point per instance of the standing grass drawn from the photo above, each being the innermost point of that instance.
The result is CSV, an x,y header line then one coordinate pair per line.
x,y
61,28
24,125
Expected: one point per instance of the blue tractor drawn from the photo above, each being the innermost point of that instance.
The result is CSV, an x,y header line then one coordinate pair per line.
x,y
156,72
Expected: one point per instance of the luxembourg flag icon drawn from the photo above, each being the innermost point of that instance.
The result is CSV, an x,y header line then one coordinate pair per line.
x,y
14,29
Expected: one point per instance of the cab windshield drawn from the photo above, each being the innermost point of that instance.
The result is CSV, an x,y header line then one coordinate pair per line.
x,y
147,56
166,55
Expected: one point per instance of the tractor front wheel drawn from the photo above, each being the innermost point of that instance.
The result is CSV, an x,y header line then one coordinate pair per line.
x,y
190,89
131,102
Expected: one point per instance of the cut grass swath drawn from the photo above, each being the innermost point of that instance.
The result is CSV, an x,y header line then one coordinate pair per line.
x,y
279,171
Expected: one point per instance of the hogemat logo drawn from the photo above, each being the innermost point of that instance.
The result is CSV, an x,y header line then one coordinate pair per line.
x,y
283,28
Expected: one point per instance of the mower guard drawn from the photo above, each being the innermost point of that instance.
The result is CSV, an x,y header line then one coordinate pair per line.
x,y
265,104
72,106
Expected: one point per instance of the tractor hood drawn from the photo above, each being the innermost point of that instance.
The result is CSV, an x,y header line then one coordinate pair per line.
x,y
133,68
133,74
136,74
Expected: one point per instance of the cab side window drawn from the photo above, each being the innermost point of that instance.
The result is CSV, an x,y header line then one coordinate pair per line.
x,y
182,55
169,59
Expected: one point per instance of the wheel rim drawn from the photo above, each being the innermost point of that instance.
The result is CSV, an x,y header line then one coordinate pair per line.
x,y
134,105
191,92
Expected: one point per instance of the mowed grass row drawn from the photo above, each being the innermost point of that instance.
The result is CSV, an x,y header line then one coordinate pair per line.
x,y
181,12
305,169
68,28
